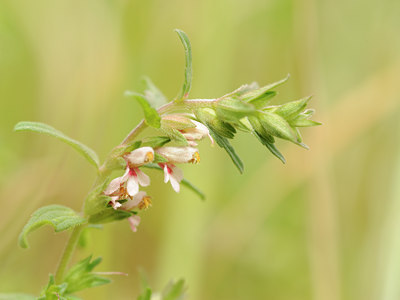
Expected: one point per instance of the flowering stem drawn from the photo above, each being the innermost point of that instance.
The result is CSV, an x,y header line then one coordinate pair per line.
x,y
67,254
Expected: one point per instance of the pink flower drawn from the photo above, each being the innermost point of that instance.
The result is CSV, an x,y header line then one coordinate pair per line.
x,y
133,177
134,222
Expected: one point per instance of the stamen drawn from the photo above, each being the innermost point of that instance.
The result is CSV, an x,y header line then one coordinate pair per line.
x,y
196,158
149,157
145,203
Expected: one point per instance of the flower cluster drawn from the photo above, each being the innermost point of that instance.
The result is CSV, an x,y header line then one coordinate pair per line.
x,y
124,191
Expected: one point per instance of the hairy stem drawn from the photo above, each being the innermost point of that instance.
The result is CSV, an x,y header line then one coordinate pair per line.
x,y
67,254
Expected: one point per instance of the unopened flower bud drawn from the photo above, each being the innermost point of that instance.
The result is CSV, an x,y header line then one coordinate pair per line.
x,y
179,154
140,156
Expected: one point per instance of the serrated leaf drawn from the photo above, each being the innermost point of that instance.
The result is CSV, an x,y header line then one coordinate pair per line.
x,y
184,181
151,115
224,143
108,215
38,127
16,296
153,94
58,216
256,93
80,276
174,291
187,84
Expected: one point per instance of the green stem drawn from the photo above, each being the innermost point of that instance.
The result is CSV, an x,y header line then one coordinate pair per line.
x,y
67,254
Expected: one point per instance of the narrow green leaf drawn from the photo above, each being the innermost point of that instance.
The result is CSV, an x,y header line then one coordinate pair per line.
x,y
187,84
184,182
80,276
145,295
260,92
16,297
151,115
268,142
58,216
88,153
224,143
155,97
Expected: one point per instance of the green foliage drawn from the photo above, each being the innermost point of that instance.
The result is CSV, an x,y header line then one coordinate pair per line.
x,y
224,143
78,278
254,93
107,215
187,84
184,181
156,141
151,115
58,216
88,153
81,277
175,135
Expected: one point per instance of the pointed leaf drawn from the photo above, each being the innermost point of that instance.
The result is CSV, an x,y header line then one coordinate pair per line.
x,y
155,97
58,216
291,109
80,276
263,100
277,126
88,153
224,143
270,146
188,66
260,92
151,115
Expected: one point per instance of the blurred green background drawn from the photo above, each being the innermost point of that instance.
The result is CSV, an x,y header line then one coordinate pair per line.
x,y
323,226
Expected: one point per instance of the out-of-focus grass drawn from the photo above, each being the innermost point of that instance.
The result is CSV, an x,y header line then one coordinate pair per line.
x,y
324,226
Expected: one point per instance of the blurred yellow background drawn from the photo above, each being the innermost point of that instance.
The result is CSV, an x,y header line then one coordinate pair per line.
x,y
323,226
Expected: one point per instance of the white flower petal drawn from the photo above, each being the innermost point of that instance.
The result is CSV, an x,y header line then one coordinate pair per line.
x,y
177,173
142,178
132,186
113,186
125,177
177,154
174,183
131,203
166,173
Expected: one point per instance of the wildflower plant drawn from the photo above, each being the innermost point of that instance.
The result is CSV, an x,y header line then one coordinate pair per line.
x,y
180,124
